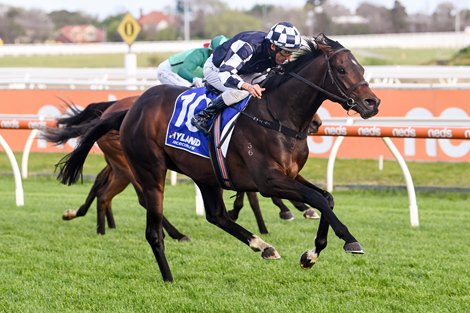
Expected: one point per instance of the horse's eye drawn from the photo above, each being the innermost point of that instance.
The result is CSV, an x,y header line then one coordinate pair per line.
x,y
341,70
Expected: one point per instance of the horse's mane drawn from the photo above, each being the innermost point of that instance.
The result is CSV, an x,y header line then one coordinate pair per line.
x,y
309,50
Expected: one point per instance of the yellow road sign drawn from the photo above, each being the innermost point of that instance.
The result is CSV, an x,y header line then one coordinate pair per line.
x,y
129,29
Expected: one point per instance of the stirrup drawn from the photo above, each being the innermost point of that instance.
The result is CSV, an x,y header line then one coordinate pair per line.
x,y
201,123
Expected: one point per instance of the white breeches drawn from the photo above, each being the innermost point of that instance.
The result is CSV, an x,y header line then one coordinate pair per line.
x,y
166,76
229,95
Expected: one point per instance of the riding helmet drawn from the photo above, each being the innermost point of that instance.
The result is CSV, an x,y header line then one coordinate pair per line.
x,y
217,41
285,36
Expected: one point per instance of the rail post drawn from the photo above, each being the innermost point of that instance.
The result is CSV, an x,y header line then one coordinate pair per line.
x,y
16,172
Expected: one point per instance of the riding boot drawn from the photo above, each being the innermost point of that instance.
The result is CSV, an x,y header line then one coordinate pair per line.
x,y
202,118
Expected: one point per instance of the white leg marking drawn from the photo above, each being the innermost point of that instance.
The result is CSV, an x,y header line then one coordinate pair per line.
x,y
312,256
268,252
258,244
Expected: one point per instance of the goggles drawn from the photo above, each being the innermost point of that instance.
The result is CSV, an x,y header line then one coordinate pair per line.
x,y
284,53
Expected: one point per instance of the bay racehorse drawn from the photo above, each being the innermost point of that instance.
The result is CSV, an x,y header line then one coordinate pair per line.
x,y
266,153
116,175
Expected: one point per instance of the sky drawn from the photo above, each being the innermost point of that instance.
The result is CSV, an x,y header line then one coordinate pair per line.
x,y
103,8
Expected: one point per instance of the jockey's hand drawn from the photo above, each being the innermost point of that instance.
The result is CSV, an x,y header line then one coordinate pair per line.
x,y
198,82
255,90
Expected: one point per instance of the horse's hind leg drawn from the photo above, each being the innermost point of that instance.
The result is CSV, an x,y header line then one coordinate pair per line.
x,y
254,203
285,213
217,214
150,171
82,211
153,196
112,186
308,212
173,232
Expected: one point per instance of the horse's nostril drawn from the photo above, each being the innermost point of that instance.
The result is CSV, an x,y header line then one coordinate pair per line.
x,y
372,102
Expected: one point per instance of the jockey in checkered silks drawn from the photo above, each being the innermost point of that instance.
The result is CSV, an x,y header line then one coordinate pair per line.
x,y
238,66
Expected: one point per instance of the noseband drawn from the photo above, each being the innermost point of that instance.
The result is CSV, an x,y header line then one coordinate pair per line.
x,y
346,98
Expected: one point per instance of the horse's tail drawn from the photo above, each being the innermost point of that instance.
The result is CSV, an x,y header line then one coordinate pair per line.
x,y
77,123
60,136
71,166
77,117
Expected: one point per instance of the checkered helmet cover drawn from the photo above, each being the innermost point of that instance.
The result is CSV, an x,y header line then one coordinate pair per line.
x,y
285,36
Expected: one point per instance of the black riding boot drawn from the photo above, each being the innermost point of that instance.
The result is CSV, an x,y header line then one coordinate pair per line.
x,y
202,118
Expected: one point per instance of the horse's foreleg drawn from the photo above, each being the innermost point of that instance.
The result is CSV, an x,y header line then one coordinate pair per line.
x,y
303,191
308,259
285,213
237,205
217,214
254,204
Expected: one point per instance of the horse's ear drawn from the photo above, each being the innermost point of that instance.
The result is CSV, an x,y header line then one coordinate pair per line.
x,y
321,39
322,43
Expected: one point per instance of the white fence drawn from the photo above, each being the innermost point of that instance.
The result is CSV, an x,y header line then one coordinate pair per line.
x,y
145,77
451,40
77,78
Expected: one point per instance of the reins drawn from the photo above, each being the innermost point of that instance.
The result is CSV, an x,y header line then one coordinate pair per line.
x,y
345,99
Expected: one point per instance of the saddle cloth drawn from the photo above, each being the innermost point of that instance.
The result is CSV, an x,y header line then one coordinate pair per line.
x,y
181,134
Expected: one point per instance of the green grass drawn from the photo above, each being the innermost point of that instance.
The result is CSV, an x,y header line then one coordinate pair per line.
x,y
396,56
359,172
50,265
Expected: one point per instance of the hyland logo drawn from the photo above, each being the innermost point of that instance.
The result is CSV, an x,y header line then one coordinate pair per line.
x,y
181,137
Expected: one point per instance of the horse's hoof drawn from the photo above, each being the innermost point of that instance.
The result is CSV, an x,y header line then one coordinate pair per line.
x,y
308,259
270,254
287,216
310,214
184,239
353,247
69,215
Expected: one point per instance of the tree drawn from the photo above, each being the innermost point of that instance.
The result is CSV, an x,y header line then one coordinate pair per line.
x,y
37,25
111,23
233,23
9,28
378,16
314,3
200,10
64,17
399,18
443,17
19,25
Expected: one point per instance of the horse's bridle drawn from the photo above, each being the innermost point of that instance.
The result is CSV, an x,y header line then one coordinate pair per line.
x,y
346,99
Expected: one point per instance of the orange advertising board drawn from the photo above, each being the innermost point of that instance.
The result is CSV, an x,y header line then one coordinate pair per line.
x,y
47,103
406,104
402,103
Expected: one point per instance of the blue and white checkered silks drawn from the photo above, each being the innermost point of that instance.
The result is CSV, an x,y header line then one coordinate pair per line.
x,y
285,36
